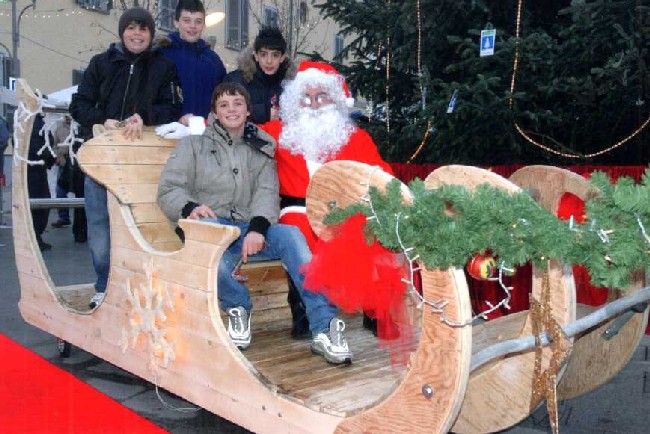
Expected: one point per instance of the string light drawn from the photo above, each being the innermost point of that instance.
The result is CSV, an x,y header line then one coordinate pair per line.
x,y
387,90
422,91
527,136
422,143
439,305
419,52
46,15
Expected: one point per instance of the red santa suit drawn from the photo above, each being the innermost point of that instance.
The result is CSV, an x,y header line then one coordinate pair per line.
x,y
294,172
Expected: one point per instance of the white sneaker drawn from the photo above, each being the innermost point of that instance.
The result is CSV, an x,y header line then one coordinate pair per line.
x,y
332,344
239,327
97,299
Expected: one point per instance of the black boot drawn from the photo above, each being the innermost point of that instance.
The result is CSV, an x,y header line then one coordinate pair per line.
x,y
42,245
300,325
370,324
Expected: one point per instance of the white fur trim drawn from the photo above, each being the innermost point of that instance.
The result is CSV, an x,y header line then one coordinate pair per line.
x,y
312,167
349,102
293,209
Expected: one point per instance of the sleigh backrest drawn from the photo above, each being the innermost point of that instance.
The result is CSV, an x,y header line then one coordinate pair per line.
x,y
130,170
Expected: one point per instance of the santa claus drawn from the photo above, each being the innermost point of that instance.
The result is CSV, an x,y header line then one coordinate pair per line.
x,y
315,129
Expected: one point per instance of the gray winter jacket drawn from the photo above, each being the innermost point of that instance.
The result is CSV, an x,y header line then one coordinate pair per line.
x,y
237,179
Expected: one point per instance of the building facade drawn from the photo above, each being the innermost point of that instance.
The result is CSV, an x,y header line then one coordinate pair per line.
x,y
57,38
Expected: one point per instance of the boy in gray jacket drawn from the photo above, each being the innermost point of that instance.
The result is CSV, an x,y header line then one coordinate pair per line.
x,y
228,176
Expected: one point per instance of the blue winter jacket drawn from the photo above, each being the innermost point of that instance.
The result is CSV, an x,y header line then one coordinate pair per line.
x,y
199,68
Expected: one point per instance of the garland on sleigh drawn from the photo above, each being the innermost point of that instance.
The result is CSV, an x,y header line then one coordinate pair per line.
x,y
447,226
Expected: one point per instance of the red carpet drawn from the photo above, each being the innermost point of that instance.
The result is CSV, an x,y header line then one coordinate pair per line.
x,y
38,397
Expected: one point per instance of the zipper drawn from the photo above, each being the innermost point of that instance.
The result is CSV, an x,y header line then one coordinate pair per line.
x,y
171,87
126,92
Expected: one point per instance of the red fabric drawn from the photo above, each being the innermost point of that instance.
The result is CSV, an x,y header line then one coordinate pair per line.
x,y
356,276
38,397
480,291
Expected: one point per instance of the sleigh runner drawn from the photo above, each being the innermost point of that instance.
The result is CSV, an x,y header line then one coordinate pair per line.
x,y
160,319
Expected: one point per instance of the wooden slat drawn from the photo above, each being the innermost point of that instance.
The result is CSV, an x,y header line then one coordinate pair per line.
x,y
133,174
131,194
148,213
122,155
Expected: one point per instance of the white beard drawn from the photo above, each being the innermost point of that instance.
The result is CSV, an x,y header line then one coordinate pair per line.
x,y
317,135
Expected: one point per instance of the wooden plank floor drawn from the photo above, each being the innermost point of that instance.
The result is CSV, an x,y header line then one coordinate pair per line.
x,y
290,365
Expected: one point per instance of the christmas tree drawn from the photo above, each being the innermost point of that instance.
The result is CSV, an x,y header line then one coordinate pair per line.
x,y
581,84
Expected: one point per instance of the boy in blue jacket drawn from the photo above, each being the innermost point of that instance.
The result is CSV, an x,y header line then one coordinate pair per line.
x,y
199,68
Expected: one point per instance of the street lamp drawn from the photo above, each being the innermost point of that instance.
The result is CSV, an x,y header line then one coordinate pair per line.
x,y
15,33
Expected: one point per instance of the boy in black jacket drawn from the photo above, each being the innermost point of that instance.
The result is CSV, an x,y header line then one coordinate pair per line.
x,y
127,86
261,71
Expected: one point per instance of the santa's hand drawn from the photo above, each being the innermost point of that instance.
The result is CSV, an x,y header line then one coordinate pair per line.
x,y
174,130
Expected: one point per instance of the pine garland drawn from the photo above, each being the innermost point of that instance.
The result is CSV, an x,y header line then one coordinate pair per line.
x,y
448,225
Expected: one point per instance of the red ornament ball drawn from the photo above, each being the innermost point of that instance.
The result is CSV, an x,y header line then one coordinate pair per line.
x,y
482,267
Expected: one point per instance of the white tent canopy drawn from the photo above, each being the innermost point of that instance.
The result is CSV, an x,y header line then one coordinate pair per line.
x,y
61,98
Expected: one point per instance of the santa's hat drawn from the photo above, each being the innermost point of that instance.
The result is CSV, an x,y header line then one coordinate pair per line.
x,y
309,68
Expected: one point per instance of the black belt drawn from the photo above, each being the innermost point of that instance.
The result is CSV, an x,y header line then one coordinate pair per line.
x,y
286,201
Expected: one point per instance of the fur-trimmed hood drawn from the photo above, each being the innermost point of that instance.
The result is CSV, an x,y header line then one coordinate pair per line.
x,y
247,65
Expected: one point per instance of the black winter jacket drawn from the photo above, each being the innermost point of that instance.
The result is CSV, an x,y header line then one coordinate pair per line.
x,y
118,84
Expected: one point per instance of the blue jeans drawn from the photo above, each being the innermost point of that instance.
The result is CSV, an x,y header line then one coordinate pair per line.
x,y
99,231
64,213
287,244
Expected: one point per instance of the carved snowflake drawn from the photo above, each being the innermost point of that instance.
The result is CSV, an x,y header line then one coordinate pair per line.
x,y
149,303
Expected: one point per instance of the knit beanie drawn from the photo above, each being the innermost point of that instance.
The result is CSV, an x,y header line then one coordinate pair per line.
x,y
138,15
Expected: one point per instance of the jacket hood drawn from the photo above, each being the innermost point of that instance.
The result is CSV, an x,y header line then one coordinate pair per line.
x,y
247,65
253,136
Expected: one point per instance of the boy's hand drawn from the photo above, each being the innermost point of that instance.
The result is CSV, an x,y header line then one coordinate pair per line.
x,y
253,243
202,211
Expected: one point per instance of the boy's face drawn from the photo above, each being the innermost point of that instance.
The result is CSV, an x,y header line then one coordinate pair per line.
x,y
231,111
269,60
136,37
190,25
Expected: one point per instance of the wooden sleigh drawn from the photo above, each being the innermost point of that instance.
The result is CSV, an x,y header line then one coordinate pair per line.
x,y
161,321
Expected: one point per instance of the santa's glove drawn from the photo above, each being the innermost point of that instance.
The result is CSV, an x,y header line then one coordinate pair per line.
x,y
174,130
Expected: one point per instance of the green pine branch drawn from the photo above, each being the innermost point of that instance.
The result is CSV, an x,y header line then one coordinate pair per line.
x,y
448,225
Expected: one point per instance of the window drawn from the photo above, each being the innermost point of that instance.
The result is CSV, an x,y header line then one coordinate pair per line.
x,y
339,43
101,6
270,16
303,13
237,24
5,70
166,14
